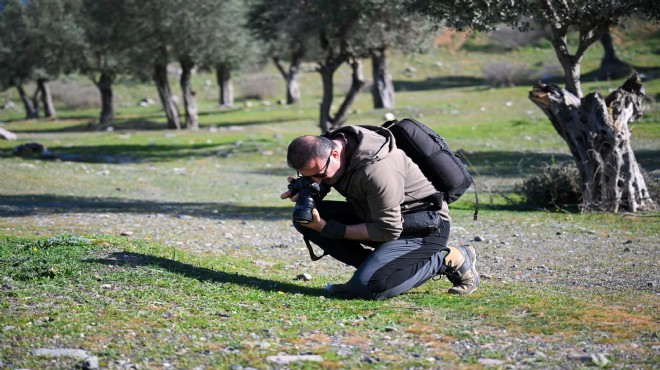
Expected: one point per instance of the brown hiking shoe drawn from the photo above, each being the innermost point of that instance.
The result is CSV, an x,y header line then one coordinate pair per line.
x,y
461,269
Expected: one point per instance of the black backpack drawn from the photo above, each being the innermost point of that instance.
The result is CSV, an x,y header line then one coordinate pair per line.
x,y
432,154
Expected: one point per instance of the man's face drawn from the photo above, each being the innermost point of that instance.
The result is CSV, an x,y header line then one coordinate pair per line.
x,y
323,169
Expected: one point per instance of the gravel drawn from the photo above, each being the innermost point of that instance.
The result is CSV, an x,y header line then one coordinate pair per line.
x,y
542,254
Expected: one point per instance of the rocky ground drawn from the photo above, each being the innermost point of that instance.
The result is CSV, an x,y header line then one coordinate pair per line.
x,y
539,253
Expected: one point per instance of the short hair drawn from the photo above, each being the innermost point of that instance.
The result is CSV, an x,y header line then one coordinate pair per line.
x,y
305,148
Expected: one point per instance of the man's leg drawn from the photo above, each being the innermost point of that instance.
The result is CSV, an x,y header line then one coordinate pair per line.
x,y
400,265
350,252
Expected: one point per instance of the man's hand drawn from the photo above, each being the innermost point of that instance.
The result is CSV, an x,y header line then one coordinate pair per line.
x,y
287,194
317,223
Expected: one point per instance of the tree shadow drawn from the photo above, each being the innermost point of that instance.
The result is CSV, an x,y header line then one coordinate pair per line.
x,y
142,153
509,164
149,122
435,83
203,274
46,204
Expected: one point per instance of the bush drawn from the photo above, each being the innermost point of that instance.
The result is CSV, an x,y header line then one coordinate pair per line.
x,y
261,87
75,95
511,38
504,73
558,186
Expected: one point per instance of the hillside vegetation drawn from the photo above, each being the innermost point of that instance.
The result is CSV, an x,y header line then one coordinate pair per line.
x,y
149,248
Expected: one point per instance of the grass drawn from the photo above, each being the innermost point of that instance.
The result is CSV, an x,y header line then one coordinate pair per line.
x,y
150,305
152,302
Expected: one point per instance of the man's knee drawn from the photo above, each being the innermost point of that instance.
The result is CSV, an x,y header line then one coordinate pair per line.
x,y
368,290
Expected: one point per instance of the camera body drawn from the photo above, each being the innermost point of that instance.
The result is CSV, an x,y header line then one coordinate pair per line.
x,y
310,193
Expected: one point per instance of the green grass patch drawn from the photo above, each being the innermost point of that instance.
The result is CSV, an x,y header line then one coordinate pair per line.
x,y
150,304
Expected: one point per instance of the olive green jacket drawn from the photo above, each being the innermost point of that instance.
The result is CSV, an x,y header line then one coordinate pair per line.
x,y
380,180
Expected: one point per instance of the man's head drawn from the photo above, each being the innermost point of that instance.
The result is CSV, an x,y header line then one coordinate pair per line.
x,y
314,156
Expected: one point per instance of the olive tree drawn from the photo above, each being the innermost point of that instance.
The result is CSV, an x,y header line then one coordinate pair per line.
x,y
288,29
233,47
40,40
594,127
107,42
16,66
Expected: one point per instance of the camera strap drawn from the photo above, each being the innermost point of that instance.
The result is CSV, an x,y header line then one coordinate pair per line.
x,y
312,255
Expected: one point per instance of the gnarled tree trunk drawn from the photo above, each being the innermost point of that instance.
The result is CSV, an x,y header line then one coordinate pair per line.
x,y
163,86
357,82
46,98
290,77
30,111
223,78
611,66
327,71
597,134
189,100
105,88
382,89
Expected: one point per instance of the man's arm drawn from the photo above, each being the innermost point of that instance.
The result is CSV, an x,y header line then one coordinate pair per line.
x,y
353,232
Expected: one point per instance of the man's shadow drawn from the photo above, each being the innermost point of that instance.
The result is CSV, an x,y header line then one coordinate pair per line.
x,y
204,274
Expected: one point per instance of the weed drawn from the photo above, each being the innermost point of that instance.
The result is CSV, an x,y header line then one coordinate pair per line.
x,y
557,187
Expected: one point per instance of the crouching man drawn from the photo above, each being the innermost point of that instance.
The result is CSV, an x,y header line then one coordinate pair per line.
x,y
393,226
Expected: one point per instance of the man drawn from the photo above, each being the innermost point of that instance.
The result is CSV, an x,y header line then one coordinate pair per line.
x,y
394,224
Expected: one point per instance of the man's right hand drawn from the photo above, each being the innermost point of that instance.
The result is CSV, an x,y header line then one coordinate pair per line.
x,y
287,194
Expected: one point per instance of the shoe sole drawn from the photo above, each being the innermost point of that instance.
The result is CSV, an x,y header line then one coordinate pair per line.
x,y
472,255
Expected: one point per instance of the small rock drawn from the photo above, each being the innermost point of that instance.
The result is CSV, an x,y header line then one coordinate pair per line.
x,y
287,359
490,362
304,277
106,286
61,352
126,233
91,363
599,359
478,239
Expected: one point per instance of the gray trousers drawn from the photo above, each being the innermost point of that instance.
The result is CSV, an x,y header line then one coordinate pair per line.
x,y
386,269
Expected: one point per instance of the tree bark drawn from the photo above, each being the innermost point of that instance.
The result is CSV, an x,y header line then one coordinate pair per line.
x,y
597,134
46,98
327,71
164,92
290,77
107,103
223,78
357,82
189,100
35,101
29,109
569,63
383,88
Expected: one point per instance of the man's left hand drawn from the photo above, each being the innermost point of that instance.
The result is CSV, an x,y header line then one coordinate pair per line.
x,y
317,223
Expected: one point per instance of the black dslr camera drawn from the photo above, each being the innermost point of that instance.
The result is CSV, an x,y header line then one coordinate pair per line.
x,y
310,193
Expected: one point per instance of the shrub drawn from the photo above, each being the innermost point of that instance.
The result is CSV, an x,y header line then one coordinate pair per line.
x,y
504,73
75,95
558,186
261,87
